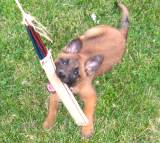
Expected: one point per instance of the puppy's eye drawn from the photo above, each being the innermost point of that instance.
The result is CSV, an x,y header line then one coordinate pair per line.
x,y
65,61
76,71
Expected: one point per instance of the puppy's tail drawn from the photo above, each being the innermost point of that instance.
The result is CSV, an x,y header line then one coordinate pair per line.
x,y
124,19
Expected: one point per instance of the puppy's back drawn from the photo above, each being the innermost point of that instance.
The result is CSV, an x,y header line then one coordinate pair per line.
x,y
105,41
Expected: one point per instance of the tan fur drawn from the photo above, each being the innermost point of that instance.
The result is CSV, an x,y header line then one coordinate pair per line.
x,y
101,40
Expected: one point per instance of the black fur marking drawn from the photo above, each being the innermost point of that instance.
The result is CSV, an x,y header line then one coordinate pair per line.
x,y
125,23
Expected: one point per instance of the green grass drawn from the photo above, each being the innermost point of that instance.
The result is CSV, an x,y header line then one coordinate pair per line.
x,y
128,108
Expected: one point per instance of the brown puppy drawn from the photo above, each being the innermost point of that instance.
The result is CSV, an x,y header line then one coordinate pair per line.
x,y
84,58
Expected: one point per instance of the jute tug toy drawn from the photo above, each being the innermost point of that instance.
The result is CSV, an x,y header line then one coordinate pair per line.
x,y
35,29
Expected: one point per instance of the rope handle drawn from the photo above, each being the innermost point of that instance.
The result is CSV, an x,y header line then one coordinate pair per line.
x,y
30,20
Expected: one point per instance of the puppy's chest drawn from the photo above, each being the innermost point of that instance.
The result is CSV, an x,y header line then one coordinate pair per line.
x,y
76,89
82,86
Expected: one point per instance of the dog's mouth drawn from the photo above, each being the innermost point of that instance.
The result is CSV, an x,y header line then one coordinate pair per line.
x,y
67,79
51,89
69,82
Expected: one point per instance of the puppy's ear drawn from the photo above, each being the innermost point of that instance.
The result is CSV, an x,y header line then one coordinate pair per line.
x,y
73,46
92,64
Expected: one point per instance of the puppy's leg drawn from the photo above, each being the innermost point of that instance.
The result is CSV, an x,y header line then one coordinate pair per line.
x,y
89,98
52,110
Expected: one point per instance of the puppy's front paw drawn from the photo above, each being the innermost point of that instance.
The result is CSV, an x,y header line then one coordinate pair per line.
x,y
87,131
74,90
47,125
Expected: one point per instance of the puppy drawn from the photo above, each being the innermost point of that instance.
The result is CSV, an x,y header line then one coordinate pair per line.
x,y
85,58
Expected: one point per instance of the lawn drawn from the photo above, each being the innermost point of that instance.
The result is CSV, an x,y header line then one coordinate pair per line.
x,y
128,108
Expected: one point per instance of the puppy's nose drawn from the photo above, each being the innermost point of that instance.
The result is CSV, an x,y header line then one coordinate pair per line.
x,y
61,74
